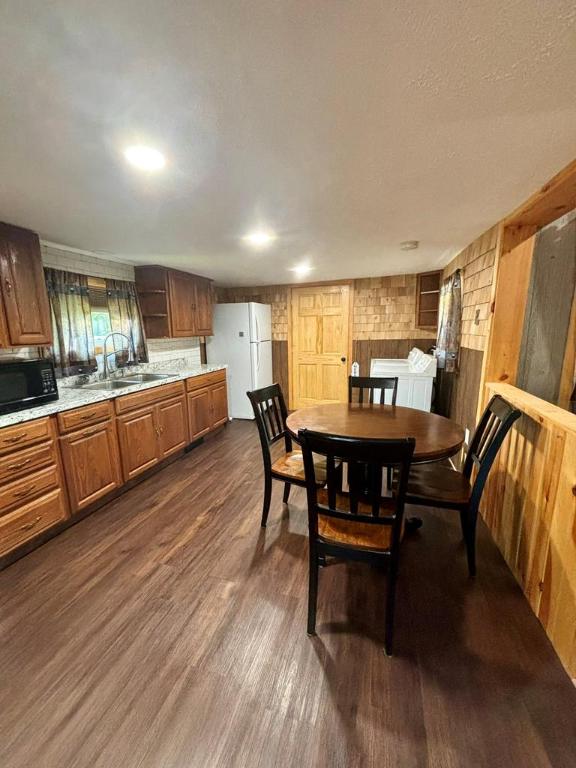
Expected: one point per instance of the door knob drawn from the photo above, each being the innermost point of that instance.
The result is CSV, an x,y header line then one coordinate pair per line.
x,y
343,359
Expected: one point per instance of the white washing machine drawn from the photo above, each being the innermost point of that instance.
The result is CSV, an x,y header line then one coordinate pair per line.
x,y
416,375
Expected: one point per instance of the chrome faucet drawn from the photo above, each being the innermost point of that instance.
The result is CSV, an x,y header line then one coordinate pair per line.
x,y
131,351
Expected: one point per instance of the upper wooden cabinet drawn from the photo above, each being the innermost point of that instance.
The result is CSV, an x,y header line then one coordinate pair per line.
x,y
427,299
174,304
26,312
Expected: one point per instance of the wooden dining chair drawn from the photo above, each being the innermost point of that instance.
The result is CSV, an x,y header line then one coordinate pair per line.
x,y
270,413
437,485
369,384
360,524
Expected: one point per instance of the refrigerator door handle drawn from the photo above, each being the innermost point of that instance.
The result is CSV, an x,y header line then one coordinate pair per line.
x,y
257,356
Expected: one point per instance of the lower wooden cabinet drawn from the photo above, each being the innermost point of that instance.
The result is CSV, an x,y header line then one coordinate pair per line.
x,y
172,427
219,404
138,436
199,413
91,464
150,434
23,524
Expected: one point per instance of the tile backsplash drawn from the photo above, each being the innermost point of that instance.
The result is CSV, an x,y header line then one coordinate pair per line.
x,y
160,350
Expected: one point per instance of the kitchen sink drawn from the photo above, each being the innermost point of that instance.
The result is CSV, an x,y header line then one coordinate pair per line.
x,y
114,384
142,378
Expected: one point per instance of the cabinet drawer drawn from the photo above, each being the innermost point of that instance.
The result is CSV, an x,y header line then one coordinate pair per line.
x,y
149,396
205,380
23,462
25,523
83,417
14,438
29,487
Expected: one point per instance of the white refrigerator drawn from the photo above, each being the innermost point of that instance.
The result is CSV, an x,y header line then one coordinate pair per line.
x,y
242,339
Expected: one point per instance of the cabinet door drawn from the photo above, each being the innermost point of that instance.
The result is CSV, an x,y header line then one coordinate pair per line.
x,y
4,338
203,305
23,287
199,413
219,403
182,301
139,441
172,425
91,464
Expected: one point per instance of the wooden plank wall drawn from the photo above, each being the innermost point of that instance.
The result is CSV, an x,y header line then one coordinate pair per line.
x,y
529,505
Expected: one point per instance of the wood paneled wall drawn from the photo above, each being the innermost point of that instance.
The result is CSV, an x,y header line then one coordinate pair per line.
x,y
529,505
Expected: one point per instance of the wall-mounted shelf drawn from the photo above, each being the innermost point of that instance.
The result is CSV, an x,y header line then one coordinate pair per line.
x,y
428,300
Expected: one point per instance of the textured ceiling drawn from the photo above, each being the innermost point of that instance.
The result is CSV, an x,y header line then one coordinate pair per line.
x,y
346,126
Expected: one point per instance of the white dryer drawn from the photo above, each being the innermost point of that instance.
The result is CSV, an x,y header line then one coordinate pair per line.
x,y
416,375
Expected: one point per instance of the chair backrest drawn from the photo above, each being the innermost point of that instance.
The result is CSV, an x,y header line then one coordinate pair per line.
x,y
270,413
372,383
492,428
365,461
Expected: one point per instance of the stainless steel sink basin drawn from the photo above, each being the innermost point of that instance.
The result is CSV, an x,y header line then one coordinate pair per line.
x,y
115,384
142,378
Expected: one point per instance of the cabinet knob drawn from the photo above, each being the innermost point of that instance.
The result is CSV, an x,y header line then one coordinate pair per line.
x,y
8,285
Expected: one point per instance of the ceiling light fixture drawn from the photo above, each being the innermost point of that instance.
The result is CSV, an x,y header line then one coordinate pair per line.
x,y
259,239
409,245
145,158
302,269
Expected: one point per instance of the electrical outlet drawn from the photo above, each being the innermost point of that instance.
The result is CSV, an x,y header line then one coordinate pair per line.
x,y
477,317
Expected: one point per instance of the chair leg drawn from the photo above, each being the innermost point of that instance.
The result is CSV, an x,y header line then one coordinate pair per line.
x,y
312,592
267,497
286,495
470,539
390,605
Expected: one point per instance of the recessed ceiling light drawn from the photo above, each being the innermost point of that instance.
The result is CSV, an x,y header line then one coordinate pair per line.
x,y
259,239
302,269
145,158
409,245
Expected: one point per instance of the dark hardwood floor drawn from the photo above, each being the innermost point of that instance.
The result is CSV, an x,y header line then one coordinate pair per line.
x,y
168,631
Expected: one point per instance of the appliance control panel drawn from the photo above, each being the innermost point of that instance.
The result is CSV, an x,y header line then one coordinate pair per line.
x,y
48,380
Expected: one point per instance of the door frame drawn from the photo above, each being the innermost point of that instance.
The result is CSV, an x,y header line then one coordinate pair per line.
x,y
318,284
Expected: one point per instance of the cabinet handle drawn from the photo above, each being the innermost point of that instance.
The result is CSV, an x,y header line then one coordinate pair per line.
x,y
8,285
88,415
90,433
21,464
24,491
15,438
31,525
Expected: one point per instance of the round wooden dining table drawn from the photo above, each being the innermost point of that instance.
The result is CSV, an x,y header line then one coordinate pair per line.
x,y
436,436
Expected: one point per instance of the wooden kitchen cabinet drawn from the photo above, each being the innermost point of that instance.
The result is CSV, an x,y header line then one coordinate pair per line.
x,y
219,403
138,437
91,464
152,425
25,311
207,403
174,304
172,427
32,488
199,413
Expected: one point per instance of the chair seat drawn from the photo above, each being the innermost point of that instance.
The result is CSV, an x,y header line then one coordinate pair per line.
x,y
352,533
437,485
291,466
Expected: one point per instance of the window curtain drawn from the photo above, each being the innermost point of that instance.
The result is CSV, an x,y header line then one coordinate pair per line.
x,y
125,317
450,323
73,347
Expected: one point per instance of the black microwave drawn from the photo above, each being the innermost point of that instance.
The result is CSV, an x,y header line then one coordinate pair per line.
x,y
26,383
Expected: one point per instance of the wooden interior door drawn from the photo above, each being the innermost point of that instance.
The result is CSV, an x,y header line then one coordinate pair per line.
x,y
23,287
319,344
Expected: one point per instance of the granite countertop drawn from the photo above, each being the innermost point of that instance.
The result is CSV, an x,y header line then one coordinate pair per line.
x,y
76,397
